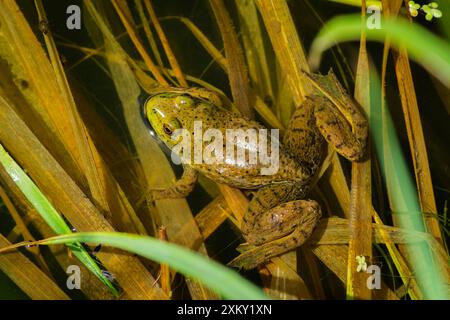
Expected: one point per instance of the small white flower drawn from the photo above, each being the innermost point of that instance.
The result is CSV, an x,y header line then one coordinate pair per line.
x,y
362,264
413,8
432,11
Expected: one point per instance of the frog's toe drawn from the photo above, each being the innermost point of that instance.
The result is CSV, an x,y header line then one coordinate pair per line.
x,y
244,247
155,194
247,260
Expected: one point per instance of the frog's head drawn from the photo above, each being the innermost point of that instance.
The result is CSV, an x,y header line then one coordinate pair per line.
x,y
168,112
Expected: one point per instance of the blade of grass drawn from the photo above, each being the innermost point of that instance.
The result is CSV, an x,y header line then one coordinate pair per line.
x,y
165,43
85,150
415,136
222,279
284,283
148,33
416,141
392,9
340,59
334,183
29,278
348,27
164,270
286,43
68,199
137,43
444,6
202,39
254,49
237,70
15,87
403,198
284,103
44,95
23,228
361,194
103,188
174,214
27,236
357,3
117,156
311,271
92,286
49,213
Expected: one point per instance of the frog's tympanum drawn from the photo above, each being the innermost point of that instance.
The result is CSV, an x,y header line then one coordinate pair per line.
x,y
278,218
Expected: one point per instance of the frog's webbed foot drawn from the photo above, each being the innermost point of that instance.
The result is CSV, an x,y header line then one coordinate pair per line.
x,y
339,118
278,231
180,189
337,131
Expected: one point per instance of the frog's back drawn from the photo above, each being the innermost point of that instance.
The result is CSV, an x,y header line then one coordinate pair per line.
x,y
266,160
233,150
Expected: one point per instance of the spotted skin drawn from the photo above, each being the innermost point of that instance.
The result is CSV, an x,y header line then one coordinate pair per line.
x,y
278,218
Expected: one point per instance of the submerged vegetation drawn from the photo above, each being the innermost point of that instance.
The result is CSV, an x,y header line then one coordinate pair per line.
x,y
77,159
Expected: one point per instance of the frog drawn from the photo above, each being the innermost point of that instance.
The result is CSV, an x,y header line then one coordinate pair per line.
x,y
279,217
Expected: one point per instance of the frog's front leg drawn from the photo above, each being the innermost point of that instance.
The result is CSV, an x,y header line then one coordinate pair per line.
x,y
180,189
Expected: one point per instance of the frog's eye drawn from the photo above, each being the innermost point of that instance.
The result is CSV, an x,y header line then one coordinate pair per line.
x,y
184,101
167,129
171,126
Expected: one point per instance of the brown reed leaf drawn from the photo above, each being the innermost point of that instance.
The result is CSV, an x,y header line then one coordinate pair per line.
x,y
29,278
361,187
68,199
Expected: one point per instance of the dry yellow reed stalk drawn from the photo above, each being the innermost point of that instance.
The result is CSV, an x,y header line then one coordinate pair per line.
x,y
360,217
68,199
237,70
29,278
165,43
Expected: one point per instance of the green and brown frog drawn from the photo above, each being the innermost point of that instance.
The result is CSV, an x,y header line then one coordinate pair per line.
x,y
278,218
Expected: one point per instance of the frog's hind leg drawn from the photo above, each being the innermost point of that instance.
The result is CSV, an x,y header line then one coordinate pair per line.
x,y
278,231
267,198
